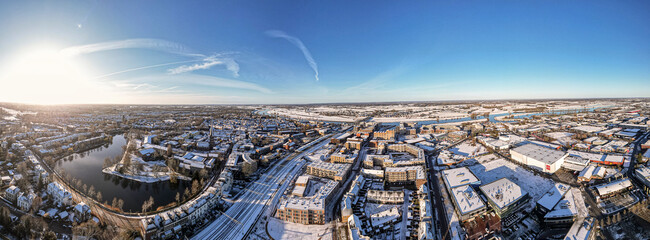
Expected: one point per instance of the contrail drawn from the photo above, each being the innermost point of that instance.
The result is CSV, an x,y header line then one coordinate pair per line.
x,y
145,67
296,42
144,43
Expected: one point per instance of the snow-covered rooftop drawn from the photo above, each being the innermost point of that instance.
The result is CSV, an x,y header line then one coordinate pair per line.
x,y
539,153
589,129
503,192
466,199
581,230
614,186
643,172
566,207
553,196
456,177
381,218
311,202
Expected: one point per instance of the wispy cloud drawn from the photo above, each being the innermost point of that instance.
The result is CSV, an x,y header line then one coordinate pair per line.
x,y
158,45
298,43
208,62
380,80
189,80
224,83
145,67
142,43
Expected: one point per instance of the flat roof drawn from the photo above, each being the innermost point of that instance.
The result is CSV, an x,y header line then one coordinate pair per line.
x,y
419,170
539,153
590,129
323,188
466,199
340,169
613,158
503,192
303,179
586,155
457,177
580,230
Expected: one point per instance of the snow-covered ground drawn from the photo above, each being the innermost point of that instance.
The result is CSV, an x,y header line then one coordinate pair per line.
x,y
279,229
14,114
147,175
535,185
372,208
410,112
308,115
467,150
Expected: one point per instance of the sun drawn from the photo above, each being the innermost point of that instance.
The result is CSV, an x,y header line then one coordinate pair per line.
x,y
43,75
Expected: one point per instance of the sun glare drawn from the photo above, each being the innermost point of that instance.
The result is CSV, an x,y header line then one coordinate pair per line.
x,y
43,75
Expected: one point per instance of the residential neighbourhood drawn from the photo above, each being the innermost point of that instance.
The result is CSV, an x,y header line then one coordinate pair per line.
x,y
244,173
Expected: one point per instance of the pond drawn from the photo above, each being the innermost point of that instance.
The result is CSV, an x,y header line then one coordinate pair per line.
x,y
87,167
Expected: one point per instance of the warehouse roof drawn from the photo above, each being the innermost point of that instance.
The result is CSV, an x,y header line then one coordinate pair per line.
x,y
539,153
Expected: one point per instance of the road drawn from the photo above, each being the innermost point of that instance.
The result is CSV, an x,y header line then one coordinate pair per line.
x,y
238,220
435,198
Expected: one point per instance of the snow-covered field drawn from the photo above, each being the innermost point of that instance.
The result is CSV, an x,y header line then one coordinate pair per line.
x,y
414,112
535,185
279,229
308,115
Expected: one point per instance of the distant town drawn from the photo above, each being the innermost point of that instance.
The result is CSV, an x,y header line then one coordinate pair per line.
x,y
508,169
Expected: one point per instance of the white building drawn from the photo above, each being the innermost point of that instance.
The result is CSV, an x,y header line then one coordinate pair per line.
x,y
58,194
457,177
505,196
12,193
24,202
541,158
467,202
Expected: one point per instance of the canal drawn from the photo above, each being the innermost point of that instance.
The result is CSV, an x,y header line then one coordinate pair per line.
x,y
87,167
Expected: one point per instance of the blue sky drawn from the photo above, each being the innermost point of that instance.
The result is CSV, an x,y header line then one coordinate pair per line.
x,y
331,51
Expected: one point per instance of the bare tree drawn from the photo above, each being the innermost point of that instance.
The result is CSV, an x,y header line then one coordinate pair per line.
x,y
91,191
147,204
88,229
36,203
120,204
196,187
